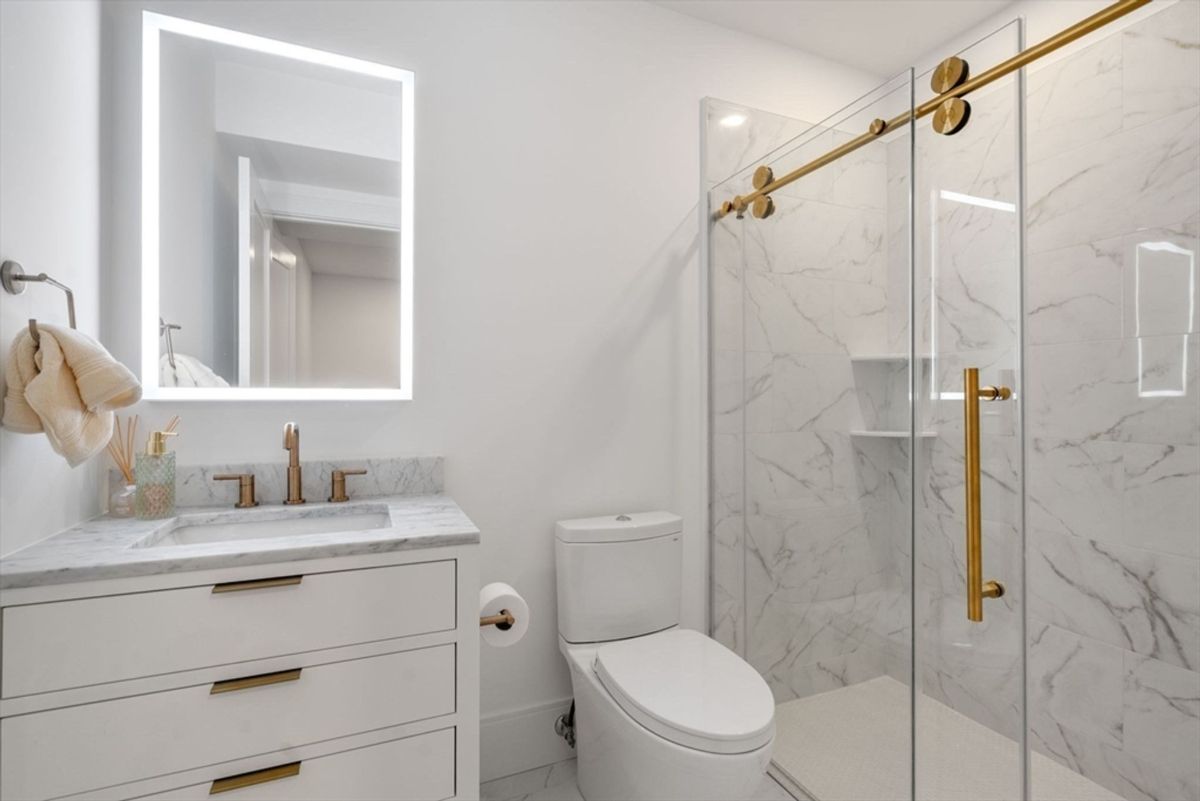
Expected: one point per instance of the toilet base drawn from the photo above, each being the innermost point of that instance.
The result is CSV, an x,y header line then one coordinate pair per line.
x,y
618,759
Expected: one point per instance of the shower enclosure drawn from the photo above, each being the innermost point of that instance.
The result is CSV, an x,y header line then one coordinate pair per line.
x,y
955,430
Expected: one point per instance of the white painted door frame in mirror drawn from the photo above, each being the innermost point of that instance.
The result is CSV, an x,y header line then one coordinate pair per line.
x,y
153,26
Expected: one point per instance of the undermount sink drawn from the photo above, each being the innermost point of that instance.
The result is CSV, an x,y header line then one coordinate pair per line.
x,y
192,533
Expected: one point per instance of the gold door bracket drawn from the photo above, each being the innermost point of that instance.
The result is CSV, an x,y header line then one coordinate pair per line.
x,y
951,116
977,588
950,74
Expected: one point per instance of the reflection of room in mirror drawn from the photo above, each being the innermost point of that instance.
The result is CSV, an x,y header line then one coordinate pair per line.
x,y
280,214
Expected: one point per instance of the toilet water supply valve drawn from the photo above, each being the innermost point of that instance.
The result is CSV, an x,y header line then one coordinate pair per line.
x,y
564,727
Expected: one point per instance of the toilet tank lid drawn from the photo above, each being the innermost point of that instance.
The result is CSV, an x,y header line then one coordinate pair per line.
x,y
619,527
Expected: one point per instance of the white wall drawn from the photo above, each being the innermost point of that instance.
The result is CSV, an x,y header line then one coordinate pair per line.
x,y
49,221
558,308
187,187
355,331
271,104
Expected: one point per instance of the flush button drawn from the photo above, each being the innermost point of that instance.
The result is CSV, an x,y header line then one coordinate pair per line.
x,y
623,518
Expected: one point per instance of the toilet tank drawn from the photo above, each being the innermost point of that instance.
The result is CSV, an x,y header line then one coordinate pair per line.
x,y
618,576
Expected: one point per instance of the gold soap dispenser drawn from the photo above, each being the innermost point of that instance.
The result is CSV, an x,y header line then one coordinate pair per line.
x,y
155,476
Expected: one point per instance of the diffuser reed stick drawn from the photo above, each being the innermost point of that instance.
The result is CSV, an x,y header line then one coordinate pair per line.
x,y
120,447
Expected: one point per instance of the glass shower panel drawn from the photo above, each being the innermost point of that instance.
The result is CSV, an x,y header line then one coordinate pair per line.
x,y
811,445
967,517
1113,434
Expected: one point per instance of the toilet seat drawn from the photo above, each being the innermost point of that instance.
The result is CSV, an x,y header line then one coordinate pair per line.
x,y
689,689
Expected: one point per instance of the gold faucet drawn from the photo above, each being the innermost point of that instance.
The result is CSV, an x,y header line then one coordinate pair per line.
x,y
291,444
338,486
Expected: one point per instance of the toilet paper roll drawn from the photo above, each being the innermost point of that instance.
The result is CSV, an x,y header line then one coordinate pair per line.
x,y
494,598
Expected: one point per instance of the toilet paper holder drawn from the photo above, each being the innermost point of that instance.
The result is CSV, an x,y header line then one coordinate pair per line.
x,y
503,621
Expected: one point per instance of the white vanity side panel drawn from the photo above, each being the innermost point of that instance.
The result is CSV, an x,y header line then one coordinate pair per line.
x,y
70,750
420,767
469,678
64,644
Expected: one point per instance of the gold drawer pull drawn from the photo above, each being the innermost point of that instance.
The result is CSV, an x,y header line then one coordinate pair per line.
x,y
254,777
261,680
257,584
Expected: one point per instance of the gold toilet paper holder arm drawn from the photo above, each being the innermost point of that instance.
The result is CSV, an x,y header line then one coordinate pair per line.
x,y
503,621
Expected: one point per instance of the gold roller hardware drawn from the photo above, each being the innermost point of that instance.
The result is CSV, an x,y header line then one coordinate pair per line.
x,y
257,584
977,588
947,73
254,777
260,680
503,621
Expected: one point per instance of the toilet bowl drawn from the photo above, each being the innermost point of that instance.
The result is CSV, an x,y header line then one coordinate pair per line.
x,y
660,712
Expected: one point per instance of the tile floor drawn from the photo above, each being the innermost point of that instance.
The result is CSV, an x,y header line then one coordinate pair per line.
x,y
557,783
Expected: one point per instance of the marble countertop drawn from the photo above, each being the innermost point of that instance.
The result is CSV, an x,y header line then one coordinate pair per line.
x,y
113,547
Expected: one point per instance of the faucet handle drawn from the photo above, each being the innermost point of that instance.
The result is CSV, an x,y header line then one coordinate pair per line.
x,y
338,490
245,482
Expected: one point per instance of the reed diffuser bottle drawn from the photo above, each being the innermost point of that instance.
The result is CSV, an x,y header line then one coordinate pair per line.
x,y
155,474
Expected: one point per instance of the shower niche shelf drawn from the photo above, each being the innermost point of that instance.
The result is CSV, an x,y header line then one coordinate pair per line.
x,y
883,434
881,380
868,358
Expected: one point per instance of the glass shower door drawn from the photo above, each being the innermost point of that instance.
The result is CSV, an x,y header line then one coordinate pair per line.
x,y
968,530
811,437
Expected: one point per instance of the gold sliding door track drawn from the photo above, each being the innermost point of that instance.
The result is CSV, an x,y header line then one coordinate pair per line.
x,y
949,109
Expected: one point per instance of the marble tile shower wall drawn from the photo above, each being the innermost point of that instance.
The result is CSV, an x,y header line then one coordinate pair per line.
x,y
1113,406
803,513
729,150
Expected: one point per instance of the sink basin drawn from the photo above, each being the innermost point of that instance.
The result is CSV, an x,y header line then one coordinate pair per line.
x,y
193,533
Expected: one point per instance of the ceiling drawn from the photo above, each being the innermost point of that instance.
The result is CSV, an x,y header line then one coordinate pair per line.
x,y
345,250
881,37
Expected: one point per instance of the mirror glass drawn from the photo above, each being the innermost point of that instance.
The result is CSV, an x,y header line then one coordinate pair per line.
x,y
277,209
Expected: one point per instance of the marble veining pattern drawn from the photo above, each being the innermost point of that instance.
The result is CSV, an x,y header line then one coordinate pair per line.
x,y
415,475
811,550
109,548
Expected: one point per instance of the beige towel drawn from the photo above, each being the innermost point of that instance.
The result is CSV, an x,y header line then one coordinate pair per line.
x,y
66,386
187,372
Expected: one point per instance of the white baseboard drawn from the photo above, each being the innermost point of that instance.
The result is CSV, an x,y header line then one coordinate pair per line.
x,y
521,739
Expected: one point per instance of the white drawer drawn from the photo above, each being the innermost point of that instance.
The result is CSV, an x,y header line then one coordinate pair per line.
x,y
79,748
55,646
420,767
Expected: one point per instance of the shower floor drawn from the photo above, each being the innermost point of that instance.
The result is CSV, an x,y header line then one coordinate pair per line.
x,y
852,744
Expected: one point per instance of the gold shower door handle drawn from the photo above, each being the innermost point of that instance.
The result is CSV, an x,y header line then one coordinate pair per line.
x,y
977,588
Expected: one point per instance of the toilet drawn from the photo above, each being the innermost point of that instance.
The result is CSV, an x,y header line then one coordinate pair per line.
x,y
660,712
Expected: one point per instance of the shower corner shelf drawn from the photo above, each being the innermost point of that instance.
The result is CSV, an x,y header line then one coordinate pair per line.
x,y
885,434
886,357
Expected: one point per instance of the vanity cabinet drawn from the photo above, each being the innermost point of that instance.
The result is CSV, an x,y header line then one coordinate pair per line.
x,y
353,677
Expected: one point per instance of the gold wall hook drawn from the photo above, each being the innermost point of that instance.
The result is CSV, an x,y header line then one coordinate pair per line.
x,y
950,74
951,116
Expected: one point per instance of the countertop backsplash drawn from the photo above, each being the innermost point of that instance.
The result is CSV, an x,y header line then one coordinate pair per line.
x,y
410,475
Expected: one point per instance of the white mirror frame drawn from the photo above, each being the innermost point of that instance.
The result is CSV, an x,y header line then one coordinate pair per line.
x,y
152,26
